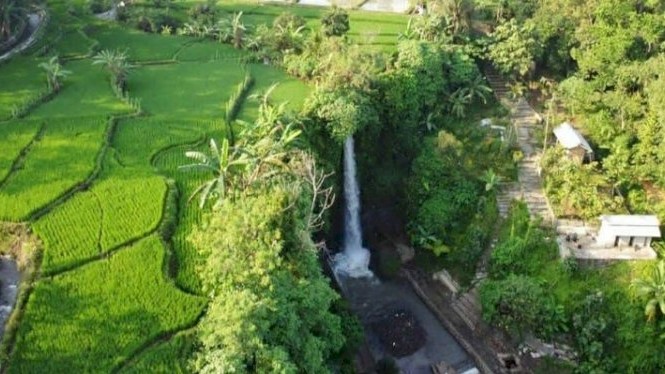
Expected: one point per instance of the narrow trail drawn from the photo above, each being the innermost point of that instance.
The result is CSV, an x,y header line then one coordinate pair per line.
x,y
529,184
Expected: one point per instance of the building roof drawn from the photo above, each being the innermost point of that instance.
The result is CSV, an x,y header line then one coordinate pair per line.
x,y
632,225
571,138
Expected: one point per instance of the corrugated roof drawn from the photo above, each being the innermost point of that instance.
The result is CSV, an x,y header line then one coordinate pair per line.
x,y
632,225
631,220
571,138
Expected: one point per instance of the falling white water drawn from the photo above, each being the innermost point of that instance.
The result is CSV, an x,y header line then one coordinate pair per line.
x,y
353,261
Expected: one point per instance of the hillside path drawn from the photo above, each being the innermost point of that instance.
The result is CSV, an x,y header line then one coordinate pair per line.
x,y
529,186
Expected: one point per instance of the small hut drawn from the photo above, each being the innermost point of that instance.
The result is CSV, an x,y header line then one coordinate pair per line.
x,y
574,143
628,230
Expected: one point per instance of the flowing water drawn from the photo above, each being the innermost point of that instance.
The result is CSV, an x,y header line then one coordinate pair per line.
x,y
376,302
353,261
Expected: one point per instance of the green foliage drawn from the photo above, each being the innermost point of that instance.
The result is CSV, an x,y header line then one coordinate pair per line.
x,y
523,245
335,22
125,298
343,112
41,178
577,190
269,311
54,73
106,216
592,331
519,302
653,290
439,192
512,48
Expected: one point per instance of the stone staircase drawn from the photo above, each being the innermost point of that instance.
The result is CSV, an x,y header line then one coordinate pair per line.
x,y
529,185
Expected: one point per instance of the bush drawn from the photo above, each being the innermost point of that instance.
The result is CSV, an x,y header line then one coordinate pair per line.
x,y
99,6
335,22
519,303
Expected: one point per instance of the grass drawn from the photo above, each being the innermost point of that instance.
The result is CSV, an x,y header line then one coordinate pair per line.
x,y
15,136
205,51
166,358
113,212
190,90
139,46
86,92
92,319
64,157
288,90
375,29
190,213
20,80
156,134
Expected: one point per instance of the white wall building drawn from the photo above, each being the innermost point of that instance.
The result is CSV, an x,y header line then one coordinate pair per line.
x,y
628,230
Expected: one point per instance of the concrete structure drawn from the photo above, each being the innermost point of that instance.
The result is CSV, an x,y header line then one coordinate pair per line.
x,y
570,139
628,230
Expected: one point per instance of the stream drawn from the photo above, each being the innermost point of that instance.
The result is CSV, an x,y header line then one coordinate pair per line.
x,y
9,280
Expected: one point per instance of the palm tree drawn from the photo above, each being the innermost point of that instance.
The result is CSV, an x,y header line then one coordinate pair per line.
x,y
430,123
54,73
478,88
653,290
116,63
227,165
458,102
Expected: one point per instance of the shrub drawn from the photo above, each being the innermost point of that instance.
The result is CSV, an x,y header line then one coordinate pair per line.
x,y
519,303
335,22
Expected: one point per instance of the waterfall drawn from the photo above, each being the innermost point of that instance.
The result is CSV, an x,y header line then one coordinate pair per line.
x,y
353,261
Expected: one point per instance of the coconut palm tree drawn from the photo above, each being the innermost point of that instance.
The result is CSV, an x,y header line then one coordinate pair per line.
x,y
477,88
116,63
54,73
653,290
458,101
227,165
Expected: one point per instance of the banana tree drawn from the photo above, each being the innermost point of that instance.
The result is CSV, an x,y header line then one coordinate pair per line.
x,y
653,290
54,73
227,165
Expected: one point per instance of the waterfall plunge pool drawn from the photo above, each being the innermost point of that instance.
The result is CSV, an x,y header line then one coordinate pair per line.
x,y
397,323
